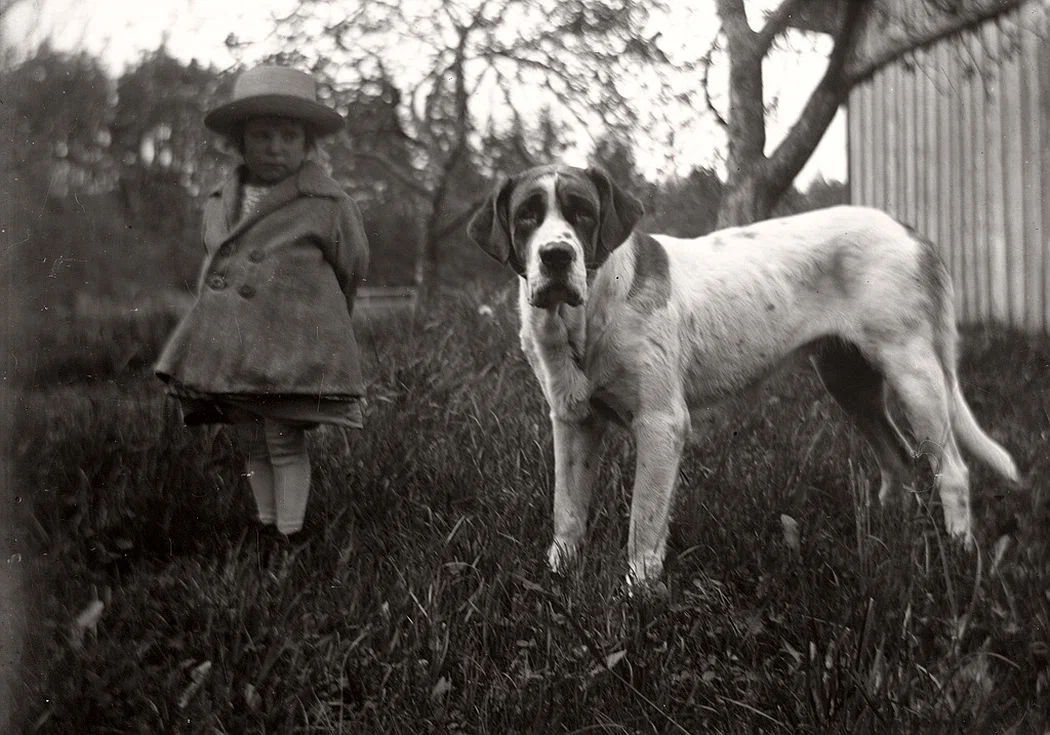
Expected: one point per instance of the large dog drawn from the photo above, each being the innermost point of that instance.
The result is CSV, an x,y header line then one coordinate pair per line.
x,y
636,329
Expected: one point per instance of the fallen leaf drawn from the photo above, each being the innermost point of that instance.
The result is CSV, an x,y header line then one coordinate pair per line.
x,y
197,676
88,619
614,658
251,697
790,528
442,687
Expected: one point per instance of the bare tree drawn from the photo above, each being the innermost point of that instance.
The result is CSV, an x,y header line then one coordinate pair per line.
x,y
866,34
469,71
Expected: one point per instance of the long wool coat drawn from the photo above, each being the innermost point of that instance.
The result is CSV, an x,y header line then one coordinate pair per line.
x,y
275,295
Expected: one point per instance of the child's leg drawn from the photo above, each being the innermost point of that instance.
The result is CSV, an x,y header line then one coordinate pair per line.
x,y
291,473
260,473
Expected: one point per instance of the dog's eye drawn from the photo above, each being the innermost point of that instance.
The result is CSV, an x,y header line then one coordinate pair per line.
x,y
528,218
578,211
579,216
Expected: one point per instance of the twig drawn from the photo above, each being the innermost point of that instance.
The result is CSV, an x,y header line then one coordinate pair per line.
x,y
705,63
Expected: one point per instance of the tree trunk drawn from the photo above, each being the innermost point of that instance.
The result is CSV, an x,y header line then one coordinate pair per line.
x,y
755,182
433,232
431,260
747,117
751,198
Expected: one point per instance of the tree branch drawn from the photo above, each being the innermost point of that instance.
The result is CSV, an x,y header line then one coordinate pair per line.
x,y
802,139
734,18
705,63
747,120
777,22
408,178
911,38
460,219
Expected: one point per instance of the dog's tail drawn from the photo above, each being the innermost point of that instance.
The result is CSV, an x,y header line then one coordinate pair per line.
x,y
967,431
972,437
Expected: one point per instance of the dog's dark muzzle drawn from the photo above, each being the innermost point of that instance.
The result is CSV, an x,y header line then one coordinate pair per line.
x,y
557,257
552,293
555,282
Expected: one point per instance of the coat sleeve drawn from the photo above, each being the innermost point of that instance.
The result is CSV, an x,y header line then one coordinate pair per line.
x,y
351,249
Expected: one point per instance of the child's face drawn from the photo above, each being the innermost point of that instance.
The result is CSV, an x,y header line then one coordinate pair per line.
x,y
274,147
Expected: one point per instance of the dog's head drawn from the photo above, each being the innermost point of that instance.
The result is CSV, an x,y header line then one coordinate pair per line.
x,y
553,223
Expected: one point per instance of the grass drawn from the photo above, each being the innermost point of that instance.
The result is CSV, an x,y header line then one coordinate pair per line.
x,y
421,602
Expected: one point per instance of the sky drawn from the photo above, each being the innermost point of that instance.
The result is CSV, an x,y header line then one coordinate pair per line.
x,y
120,31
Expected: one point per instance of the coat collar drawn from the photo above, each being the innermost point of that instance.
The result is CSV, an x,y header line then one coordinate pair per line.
x,y
310,181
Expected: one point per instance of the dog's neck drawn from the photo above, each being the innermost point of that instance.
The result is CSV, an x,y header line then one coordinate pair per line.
x,y
576,327
560,326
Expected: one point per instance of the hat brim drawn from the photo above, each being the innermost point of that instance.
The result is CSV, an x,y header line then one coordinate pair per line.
x,y
226,118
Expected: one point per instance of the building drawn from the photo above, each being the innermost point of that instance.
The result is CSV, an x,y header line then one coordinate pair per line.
x,y
955,140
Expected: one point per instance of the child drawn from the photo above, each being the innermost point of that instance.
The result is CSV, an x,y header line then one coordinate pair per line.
x,y
269,345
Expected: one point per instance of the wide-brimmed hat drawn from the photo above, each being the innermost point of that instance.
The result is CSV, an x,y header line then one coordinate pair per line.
x,y
274,91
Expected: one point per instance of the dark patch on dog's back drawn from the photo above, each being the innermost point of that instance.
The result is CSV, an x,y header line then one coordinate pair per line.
x,y
831,276
651,288
840,273
936,283
932,271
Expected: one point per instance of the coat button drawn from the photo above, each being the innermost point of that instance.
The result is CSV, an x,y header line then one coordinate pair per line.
x,y
246,291
217,282
255,256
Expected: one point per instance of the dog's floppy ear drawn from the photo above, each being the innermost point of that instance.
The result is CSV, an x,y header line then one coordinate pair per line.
x,y
490,225
619,214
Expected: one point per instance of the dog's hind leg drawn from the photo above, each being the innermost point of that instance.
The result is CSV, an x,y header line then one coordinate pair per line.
x,y
915,373
860,389
659,438
576,456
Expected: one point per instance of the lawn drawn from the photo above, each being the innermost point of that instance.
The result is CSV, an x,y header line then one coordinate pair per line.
x,y
421,602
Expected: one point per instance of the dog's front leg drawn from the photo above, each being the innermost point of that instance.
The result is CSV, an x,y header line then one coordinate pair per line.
x,y
568,390
576,449
576,430
659,439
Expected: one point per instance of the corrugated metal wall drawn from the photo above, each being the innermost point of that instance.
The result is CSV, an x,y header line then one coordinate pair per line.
x,y
955,140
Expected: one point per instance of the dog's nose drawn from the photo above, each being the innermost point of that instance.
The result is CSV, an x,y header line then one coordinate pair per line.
x,y
556,256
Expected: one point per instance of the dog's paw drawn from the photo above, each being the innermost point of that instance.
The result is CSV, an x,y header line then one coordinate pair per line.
x,y
562,555
960,529
966,540
956,516
645,570
649,590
